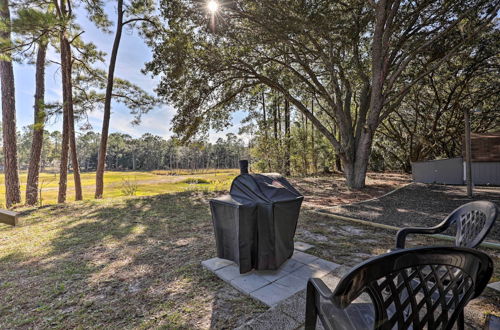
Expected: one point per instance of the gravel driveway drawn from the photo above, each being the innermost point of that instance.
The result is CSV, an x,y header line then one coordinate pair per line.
x,y
419,205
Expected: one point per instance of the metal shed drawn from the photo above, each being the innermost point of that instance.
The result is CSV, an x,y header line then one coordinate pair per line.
x,y
444,171
485,164
452,171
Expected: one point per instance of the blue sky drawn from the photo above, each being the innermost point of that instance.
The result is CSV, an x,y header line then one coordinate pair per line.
x,y
132,55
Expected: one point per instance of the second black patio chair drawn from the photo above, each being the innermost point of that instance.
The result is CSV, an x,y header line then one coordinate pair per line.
x,y
421,288
474,220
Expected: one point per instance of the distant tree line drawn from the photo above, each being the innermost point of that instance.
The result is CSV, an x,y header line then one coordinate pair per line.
x,y
149,152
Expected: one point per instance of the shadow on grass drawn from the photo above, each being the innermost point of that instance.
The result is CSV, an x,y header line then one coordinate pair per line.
x,y
131,262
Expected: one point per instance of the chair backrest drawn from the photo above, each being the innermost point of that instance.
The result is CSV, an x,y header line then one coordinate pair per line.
x,y
418,288
474,221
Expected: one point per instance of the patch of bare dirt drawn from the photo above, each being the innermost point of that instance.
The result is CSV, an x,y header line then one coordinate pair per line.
x,y
332,190
420,205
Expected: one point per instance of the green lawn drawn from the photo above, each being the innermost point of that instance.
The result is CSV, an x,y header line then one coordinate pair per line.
x,y
134,262
126,262
115,183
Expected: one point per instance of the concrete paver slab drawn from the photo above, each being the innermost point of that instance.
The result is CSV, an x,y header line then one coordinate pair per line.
x,y
323,264
228,273
302,257
293,282
273,275
291,265
273,293
272,287
250,283
305,272
494,286
302,246
216,263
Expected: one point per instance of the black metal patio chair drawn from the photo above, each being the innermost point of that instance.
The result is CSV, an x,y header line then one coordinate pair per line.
x,y
474,221
420,288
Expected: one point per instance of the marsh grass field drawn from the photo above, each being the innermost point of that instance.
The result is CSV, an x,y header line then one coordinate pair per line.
x,y
117,184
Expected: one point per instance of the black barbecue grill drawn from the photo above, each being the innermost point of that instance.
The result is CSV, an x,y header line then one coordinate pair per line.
x,y
255,225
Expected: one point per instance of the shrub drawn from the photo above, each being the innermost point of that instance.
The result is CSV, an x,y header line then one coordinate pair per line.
x,y
129,188
196,181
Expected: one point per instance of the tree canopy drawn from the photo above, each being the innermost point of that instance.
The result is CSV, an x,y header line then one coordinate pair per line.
x,y
352,57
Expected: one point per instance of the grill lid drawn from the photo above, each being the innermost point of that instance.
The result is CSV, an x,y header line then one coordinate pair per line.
x,y
267,188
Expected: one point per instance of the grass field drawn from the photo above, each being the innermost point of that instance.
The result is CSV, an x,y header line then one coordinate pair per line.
x,y
118,184
134,263
125,262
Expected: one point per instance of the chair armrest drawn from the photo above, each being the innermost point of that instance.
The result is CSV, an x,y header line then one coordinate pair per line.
x,y
316,289
320,287
402,233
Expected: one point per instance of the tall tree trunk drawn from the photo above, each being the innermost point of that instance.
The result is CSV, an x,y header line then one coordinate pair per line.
x,y
63,165
67,69
357,148
337,158
99,181
355,158
338,164
287,137
66,80
313,142
264,116
275,120
38,127
266,131
304,138
361,163
280,130
12,190
71,133
379,60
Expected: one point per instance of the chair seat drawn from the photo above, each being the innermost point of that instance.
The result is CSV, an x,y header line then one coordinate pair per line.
x,y
474,221
411,288
355,316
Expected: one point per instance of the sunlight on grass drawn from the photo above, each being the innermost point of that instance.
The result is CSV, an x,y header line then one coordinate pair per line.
x,y
116,263
148,183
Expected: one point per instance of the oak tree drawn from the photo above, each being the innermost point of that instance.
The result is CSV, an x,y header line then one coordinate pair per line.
x,y
351,55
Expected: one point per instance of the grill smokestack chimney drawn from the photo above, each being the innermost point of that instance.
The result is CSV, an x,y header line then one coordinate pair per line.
x,y
243,166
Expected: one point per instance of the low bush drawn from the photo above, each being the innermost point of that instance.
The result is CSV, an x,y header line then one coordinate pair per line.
x,y
129,188
196,181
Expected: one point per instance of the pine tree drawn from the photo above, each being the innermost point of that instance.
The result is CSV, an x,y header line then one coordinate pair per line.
x,y
138,11
35,24
12,190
